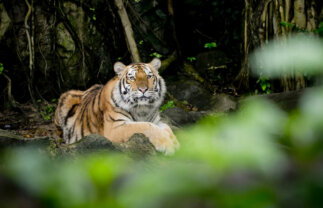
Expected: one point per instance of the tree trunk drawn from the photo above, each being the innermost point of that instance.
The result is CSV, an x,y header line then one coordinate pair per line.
x,y
131,43
263,22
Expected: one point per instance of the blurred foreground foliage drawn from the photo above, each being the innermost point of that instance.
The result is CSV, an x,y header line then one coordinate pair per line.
x,y
259,156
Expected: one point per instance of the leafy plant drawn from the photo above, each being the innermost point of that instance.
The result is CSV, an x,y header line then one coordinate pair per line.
x,y
141,42
287,24
191,59
169,104
264,84
319,30
47,110
210,45
1,68
155,54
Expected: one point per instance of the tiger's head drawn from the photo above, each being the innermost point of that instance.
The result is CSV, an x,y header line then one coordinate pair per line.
x,y
139,84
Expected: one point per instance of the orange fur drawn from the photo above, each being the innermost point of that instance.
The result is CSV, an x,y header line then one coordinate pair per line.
x,y
100,109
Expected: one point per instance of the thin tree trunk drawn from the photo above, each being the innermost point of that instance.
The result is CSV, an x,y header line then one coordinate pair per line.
x,y
131,43
30,42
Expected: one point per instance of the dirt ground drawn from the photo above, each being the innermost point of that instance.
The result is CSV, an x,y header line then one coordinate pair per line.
x,y
26,121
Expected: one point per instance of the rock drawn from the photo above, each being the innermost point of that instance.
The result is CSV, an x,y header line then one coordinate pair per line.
x,y
185,89
178,117
10,140
92,143
285,100
223,103
138,145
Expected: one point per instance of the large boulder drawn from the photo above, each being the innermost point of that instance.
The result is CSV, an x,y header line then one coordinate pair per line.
x,y
177,117
191,91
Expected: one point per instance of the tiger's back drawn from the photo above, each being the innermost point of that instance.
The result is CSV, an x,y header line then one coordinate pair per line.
x,y
78,114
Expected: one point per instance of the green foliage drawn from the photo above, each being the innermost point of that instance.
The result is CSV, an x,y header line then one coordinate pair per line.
x,y
264,84
169,104
155,54
319,30
141,42
1,68
47,110
210,45
191,59
293,27
287,24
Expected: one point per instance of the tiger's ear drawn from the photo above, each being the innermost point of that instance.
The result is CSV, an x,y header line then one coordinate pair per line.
x,y
156,63
119,68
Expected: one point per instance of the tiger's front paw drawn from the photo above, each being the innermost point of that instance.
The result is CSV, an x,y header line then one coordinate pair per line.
x,y
164,143
171,134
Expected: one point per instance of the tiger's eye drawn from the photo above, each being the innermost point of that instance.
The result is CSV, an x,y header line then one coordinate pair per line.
x,y
149,76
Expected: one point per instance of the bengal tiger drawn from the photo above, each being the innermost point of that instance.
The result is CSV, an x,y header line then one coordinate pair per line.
x,y
127,104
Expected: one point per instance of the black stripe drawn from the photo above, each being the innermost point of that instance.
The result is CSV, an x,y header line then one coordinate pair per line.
x,y
99,100
119,125
159,83
82,129
93,103
114,101
120,91
70,113
115,120
73,95
87,120
62,100
129,116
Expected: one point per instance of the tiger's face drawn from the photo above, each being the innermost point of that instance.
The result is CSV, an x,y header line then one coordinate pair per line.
x,y
139,85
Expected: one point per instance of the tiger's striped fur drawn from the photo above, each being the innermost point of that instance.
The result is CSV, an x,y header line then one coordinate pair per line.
x,y
127,104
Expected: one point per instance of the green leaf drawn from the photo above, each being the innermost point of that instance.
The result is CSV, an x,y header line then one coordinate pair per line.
x,y
210,45
169,104
263,87
157,55
321,25
191,59
1,68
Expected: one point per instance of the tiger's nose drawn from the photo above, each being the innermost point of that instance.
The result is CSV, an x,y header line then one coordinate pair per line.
x,y
143,90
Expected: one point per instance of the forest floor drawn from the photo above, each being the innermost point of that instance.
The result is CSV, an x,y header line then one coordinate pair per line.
x,y
27,121
31,122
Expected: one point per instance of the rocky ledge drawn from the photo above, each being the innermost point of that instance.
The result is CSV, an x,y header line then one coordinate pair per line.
x,y
138,145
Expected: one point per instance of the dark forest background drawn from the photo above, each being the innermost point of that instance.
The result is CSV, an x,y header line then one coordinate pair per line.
x,y
48,47
245,100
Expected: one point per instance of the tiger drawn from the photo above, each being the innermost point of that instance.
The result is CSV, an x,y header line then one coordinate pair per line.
x,y
127,104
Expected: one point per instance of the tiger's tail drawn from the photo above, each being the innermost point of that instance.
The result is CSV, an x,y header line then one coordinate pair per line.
x,y
67,106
